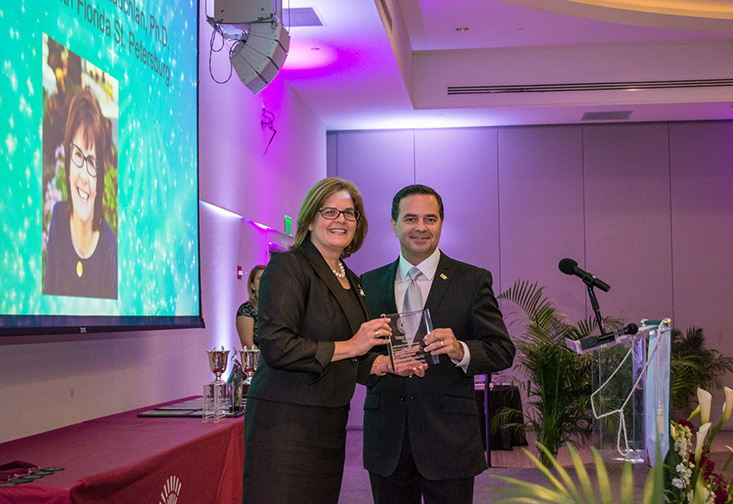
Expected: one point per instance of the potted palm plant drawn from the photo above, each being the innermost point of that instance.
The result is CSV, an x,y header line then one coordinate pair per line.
x,y
558,382
693,365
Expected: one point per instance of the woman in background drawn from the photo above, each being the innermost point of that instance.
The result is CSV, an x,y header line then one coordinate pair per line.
x,y
81,254
313,327
247,313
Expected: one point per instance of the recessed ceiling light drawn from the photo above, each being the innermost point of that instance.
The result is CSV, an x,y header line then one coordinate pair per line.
x,y
462,29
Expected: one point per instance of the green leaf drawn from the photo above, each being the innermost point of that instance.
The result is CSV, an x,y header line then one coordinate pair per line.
x,y
526,489
544,470
528,500
604,486
582,476
627,485
657,477
529,297
569,485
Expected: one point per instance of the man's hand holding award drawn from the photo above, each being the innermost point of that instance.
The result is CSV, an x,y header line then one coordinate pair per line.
x,y
407,346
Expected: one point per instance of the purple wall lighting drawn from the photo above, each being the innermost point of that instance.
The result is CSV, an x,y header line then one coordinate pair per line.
x,y
646,207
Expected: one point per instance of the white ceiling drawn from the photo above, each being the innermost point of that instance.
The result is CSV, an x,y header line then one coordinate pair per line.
x,y
357,73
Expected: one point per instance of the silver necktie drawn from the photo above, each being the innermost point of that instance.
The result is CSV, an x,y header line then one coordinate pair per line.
x,y
413,295
413,303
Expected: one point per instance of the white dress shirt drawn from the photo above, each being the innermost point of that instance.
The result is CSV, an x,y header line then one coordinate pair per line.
x,y
428,268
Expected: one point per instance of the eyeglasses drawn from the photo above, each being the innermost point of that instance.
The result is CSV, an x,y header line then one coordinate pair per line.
x,y
78,158
331,213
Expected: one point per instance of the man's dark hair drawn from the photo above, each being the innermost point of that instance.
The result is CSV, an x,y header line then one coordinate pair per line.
x,y
414,189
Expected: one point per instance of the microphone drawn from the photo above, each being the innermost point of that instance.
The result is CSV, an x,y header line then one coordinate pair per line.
x,y
592,341
570,267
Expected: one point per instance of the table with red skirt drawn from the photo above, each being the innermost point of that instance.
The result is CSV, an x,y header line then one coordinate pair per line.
x,y
126,458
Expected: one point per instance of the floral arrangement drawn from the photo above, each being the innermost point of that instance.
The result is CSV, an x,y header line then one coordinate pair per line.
x,y
690,475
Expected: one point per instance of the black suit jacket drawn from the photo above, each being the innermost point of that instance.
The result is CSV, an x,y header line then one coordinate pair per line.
x,y
438,411
301,313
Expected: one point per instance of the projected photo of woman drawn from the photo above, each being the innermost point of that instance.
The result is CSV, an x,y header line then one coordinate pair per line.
x,y
81,252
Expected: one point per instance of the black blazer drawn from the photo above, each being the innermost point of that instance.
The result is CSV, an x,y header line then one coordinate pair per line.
x,y
301,313
438,411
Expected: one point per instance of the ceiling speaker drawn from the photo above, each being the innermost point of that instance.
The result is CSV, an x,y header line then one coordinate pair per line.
x,y
242,11
260,55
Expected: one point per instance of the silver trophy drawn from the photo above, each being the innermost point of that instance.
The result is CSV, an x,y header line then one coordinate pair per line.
x,y
218,360
216,400
249,358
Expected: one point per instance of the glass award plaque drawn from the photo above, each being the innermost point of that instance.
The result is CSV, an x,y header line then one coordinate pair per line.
x,y
235,383
406,346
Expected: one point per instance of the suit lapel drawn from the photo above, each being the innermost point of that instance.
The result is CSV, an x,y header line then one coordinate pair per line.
x,y
386,288
440,282
323,271
354,280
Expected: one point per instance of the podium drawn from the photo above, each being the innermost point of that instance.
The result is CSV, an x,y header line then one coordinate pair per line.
x,y
631,392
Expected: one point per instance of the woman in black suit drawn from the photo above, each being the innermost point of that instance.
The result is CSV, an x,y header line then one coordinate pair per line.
x,y
312,329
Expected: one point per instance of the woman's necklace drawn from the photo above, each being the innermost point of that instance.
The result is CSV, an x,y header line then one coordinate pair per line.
x,y
341,273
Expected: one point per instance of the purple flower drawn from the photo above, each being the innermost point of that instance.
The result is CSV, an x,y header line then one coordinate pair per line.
x,y
52,196
721,495
688,424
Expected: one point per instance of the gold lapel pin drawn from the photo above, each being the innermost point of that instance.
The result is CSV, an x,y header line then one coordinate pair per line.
x,y
442,275
361,292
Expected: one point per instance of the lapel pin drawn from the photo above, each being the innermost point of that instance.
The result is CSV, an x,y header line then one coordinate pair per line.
x,y
442,275
361,292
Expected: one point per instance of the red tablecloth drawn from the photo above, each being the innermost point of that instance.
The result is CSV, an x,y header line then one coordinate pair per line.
x,y
125,459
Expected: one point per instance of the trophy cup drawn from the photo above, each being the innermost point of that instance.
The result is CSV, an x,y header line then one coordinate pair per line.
x,y
216,402
250,358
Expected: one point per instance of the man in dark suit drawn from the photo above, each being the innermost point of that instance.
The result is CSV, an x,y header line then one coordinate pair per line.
x,y
422,435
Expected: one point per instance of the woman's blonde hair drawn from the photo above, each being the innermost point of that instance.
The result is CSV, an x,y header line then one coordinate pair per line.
x,y
317,196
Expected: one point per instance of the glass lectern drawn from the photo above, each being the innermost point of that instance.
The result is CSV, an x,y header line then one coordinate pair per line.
x,y
631,399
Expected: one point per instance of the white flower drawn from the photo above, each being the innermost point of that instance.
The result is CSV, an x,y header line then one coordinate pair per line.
x,y
727,405
678,483
704,398
701,434
682,440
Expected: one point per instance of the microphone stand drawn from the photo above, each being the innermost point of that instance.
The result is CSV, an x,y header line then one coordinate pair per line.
x,y
596,309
